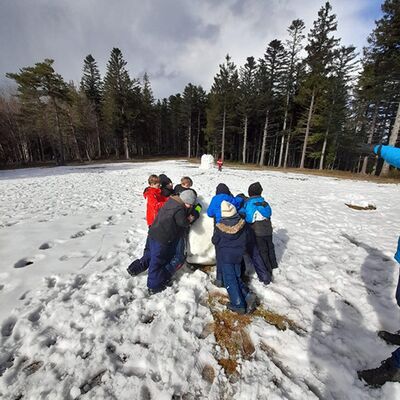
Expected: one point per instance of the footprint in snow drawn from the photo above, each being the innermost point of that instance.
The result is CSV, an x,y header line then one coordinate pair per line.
x,y
8,326
35,315
24,262
78,235
46,245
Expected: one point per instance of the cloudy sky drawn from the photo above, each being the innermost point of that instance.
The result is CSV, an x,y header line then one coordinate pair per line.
x,y
175,41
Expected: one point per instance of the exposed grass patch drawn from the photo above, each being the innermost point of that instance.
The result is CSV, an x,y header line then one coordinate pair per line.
x,y
281,322
230,330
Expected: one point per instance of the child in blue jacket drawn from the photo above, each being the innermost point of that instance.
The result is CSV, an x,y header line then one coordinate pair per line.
x,y
389,370
257,213
214,211
230,240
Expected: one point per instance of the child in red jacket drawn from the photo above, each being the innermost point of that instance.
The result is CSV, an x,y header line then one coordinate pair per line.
x,y
155,200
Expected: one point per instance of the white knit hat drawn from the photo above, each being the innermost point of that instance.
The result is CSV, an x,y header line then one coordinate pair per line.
x,y
227,209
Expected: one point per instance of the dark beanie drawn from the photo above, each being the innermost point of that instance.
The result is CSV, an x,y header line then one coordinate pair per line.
x,y
255,189
223,189
164,180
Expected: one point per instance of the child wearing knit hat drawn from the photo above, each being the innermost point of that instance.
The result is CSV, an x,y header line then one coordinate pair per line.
x,y
257,213
214,211
230,240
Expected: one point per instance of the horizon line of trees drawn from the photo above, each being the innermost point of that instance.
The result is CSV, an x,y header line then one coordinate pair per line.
x,y
307,102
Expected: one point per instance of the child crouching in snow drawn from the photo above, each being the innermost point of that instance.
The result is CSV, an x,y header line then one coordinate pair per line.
x,y
165,236
257,213
230,240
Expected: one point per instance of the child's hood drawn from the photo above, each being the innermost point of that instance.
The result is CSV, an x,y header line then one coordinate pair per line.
x,y
231,226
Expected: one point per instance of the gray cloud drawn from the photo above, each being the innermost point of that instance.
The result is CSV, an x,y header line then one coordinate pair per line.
x,y
175,41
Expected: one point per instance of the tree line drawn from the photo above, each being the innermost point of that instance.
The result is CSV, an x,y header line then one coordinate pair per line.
x,y
307,102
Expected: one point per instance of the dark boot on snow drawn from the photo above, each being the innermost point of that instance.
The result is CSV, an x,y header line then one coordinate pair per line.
x,y
376,377
251,302
390,338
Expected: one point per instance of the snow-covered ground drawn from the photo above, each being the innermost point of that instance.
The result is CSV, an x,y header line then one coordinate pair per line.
x,y
75,324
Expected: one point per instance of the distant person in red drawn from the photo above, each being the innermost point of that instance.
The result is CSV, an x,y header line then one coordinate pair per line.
x,y
220,163
155,200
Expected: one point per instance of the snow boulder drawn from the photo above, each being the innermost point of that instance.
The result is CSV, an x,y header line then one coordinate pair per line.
x,y
207,161
200,250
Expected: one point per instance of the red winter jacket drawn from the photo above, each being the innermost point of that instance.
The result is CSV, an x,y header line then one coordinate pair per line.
x,y
155,200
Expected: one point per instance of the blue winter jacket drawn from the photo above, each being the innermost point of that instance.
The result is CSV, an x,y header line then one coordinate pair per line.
x,y
257,213
214,209
254,208
397,255
390,154
230,239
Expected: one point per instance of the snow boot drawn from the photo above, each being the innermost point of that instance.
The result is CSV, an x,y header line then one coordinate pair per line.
x,y
376,377
390,338
251,302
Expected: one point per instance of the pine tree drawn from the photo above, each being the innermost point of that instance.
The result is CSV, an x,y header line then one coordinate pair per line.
x,y
223,101
384,53
338,97
270,78
200,108
188,96
42,82
247,90
319,61
118,92
91,85
293,48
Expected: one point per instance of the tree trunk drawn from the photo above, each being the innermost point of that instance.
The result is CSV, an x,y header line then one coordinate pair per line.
x,y
264,139
74,140
198,136
223,134
125,144
284,130
59,133
190,137
286,151
392,140
245,140
321,161
98,137
370,137
310,112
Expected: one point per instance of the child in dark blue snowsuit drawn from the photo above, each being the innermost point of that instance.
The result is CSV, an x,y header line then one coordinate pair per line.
x,y
257,213
165,234
214,211
389,371
230,240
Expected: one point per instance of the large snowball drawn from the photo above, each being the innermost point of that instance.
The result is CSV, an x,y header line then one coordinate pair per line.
x,y
200,250
207,161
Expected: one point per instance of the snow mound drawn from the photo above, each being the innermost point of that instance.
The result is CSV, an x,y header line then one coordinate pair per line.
x,y
200,250
207,161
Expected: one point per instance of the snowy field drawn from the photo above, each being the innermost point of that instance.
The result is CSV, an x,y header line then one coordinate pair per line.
x,y
74,324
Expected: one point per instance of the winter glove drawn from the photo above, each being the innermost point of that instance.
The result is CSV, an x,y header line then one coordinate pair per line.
x,y
198,208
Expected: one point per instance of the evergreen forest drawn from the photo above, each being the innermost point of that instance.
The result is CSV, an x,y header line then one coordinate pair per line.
x,y
309,101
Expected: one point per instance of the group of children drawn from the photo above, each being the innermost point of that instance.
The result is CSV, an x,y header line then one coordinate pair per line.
x,y
242,226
